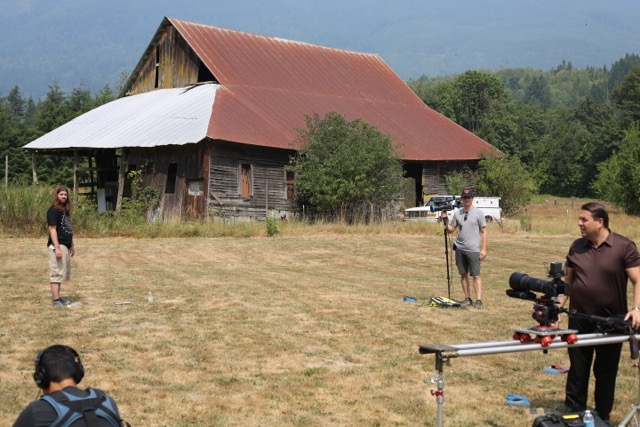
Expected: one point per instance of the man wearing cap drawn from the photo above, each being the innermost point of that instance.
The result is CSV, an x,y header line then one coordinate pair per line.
x,y
470,245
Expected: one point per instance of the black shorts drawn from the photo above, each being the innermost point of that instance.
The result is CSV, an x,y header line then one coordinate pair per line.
x,y
468,262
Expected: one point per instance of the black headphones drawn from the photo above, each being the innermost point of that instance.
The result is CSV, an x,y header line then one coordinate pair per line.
x,y
43,378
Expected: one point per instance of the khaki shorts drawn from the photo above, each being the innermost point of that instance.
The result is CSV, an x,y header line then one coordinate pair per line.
x,y
60,268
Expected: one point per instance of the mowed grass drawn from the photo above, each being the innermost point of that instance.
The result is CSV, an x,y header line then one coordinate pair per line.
x,y
308,328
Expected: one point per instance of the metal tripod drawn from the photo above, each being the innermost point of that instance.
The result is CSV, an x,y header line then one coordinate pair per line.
x,y
445,222
633,417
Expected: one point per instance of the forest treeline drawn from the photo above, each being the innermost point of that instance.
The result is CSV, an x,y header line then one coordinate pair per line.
x,y
574,131
24,120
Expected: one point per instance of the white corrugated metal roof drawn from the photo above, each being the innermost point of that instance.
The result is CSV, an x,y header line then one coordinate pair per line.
x,y
162,117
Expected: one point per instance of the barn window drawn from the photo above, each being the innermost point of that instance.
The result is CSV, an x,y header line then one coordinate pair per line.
x,y
290,184
195,187
170,188
245,181
204,75
157,66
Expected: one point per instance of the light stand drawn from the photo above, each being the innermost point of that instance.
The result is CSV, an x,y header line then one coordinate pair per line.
x,y
444,353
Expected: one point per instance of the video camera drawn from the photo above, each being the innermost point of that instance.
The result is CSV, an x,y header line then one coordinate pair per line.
x,y
545,309
443,203
550,288
443,206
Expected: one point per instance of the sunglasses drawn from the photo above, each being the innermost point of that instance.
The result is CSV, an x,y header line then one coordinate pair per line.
x,y
465,215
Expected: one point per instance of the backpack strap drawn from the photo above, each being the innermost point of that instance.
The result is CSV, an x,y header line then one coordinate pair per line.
x,y
65,415
70,408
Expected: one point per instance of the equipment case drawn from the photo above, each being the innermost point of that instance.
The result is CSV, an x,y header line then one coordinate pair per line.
x,y
566,420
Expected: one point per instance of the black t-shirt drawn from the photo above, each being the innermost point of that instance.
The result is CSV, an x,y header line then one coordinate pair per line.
x,y
62,221
40,413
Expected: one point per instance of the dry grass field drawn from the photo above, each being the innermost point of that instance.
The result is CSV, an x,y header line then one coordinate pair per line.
x,y
307,328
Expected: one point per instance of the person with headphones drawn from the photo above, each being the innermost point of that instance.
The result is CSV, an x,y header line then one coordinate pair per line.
x,y
58,371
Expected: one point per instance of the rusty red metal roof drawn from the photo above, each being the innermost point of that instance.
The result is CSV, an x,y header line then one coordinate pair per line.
x,y
268,85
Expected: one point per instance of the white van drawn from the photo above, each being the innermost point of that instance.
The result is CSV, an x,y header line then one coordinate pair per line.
x,y
430,212
490,206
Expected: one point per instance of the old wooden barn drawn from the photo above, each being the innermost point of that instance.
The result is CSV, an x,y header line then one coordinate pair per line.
x,y
208,117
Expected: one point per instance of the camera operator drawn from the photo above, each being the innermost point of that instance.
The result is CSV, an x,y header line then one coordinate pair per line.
x,y
598,266
470,245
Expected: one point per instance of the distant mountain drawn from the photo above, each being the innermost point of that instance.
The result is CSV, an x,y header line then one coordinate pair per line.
x,y
91,42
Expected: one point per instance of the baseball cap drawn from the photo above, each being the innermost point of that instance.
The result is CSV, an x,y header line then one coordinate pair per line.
x,y
467,192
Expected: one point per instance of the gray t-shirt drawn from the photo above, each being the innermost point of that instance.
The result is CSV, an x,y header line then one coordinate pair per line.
x,y
469,224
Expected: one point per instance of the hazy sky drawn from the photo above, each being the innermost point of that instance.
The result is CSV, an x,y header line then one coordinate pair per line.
x,y
92,42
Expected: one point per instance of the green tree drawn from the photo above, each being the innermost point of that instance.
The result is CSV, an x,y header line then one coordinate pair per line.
x,y
618,179
505,177
538,93
12,136
437,93
559,168
627,96
16,102
621,68
78,103
51,112
477,96
346,169
530,125
104,96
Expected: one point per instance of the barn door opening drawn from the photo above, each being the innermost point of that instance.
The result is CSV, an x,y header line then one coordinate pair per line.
x,y
246,187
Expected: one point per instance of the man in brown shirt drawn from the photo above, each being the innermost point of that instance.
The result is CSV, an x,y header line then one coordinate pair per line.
x,y
598,267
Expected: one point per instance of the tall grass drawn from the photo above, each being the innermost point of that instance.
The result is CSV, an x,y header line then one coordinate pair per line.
x,y
23,214
23,210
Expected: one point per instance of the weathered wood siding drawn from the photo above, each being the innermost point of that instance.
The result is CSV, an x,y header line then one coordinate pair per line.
x,y
268,181
183,169
177,66
434,175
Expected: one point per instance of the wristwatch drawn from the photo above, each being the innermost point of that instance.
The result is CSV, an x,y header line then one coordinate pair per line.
x,y
636,308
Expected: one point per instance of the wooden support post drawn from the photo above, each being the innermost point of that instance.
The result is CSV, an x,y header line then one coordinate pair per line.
x,y
34,168
75,172
121,177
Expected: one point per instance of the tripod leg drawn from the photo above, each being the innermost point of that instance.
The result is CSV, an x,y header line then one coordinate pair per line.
x,y
439,393
446,256
634,413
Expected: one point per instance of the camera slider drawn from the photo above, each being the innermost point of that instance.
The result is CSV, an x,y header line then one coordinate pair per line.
x,y
544,335
444,354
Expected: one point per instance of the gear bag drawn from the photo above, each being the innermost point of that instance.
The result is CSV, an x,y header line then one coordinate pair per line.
x,y
95,410
443,302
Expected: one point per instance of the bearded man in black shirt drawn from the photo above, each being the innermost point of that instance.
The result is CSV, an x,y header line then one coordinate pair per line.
x,y
60,243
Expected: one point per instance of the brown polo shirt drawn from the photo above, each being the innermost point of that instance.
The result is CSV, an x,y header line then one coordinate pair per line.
x,y
599,278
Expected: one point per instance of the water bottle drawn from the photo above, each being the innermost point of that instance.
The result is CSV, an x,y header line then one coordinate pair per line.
x,y
150,297
587,419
